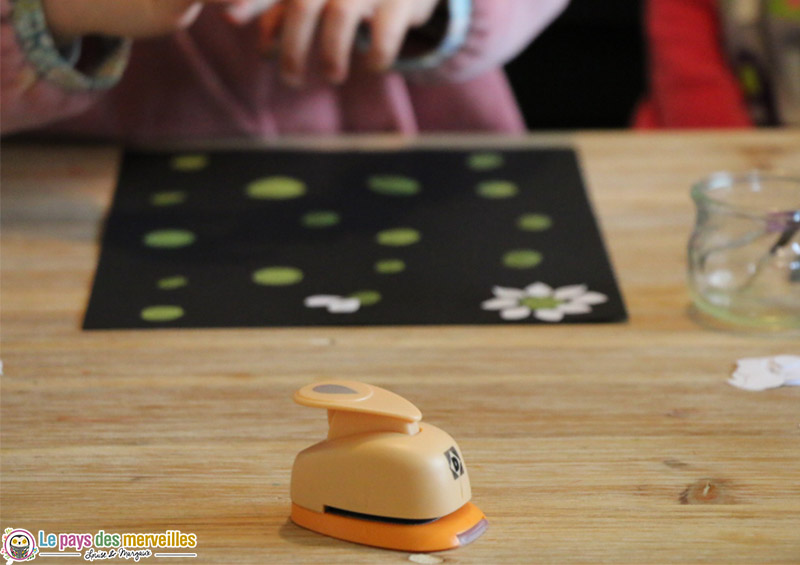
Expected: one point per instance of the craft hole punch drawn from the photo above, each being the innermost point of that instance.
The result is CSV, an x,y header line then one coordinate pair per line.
x,y
382,477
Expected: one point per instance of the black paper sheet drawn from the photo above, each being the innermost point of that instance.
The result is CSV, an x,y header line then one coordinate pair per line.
x,y
302,238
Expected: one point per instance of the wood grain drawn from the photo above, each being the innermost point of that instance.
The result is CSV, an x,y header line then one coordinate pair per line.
x,y
586,444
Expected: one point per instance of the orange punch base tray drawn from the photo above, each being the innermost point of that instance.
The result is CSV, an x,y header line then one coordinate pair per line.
x,y
459,528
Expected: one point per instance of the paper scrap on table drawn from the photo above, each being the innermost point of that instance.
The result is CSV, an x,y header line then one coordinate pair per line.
x,y
763,373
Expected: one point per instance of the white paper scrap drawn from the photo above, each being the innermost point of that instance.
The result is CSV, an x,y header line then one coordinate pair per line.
x,y
763,373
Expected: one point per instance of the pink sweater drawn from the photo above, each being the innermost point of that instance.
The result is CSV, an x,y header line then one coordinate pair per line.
x,y
211,81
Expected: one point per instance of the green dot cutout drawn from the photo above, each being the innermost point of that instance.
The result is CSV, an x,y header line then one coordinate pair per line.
x,y
189,163
171,283
320,219
172,238
534,222
497,189
394,185
522,259
170,198
367,297
398,237
485,161
543,303
276,188
390,266
278,276
161,313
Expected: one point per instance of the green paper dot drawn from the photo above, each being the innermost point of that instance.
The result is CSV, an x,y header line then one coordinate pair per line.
x,y
276,188
171,283
394,185
162,313
170,198
367,297
485,161
534,222
398,237
496,189
169,238
522,259
320,219
189,163
278,276
544,303
390,266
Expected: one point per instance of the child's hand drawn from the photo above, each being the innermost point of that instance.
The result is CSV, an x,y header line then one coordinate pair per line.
x,y
335,23
71,19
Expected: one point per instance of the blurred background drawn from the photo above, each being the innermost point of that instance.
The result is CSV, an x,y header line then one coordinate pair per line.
x,y
589,68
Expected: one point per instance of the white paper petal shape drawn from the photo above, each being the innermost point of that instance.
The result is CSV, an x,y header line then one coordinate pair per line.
x,y
321,300
787,360
568,292
789,365
503,292
592,298
538,290
345,306
499,303
575,308
518,313
762,373
792,373
756,381
549,315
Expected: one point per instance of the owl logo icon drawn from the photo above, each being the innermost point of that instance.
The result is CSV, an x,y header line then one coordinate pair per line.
x,y
454,461
18,545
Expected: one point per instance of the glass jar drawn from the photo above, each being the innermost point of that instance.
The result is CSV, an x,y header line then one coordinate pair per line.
x,y
744,253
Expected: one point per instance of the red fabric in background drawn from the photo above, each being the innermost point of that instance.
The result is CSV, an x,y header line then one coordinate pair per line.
x,y
691,82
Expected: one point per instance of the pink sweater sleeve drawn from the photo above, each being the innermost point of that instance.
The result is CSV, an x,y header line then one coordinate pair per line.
x,y
499,30
27,98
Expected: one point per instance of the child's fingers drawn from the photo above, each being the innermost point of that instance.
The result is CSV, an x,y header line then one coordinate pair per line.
x,y
299,26
189,15
422,11
167,15
297,23
390,23
243,11
134,18
339,25
270,24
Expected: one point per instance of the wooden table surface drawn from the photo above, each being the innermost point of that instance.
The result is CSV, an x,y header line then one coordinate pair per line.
x,y
586,444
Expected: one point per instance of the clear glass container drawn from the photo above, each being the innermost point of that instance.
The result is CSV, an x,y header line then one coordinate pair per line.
x,y
744,253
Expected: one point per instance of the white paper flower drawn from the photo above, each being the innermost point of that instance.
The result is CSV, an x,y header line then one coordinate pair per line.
x,y
543,302
334,304
762,373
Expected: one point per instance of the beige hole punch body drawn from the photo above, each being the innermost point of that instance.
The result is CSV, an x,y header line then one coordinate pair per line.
x,y
382,477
